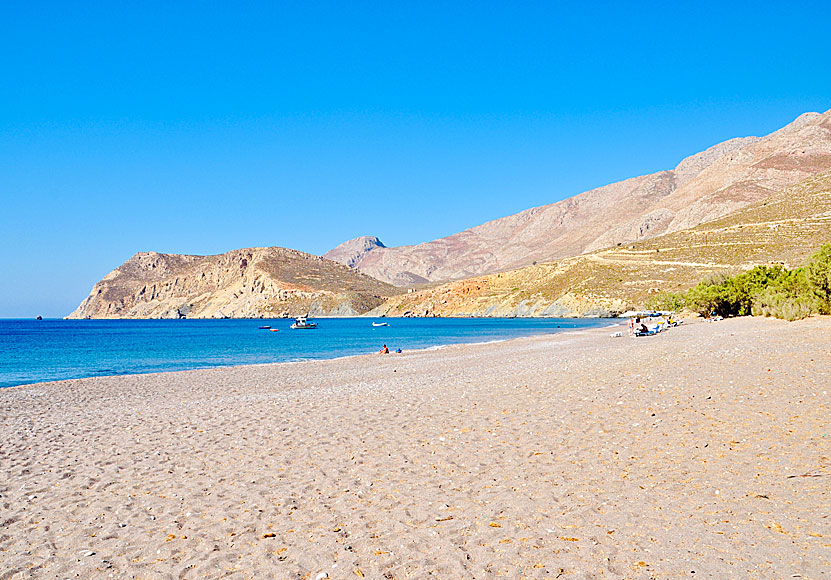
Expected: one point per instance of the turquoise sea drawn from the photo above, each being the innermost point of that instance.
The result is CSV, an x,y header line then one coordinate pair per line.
x,y
46,350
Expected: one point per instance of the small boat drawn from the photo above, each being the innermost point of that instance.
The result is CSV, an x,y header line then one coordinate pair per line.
x,y
274,330
300,322
380,324
264,327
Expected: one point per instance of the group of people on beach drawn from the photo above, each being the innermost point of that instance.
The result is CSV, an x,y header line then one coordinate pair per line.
x,y
638,327
385,350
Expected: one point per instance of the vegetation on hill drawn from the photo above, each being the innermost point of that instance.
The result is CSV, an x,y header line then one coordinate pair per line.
x,y
763,290
780,231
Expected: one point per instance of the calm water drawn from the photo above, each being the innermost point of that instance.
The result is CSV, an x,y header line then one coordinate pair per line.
x,y
46,350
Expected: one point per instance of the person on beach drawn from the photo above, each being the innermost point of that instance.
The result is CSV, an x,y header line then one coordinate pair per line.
x,y
384,350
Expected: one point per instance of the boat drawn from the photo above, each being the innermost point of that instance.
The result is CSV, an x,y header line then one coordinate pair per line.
x,y
380,324
300,323
274,330
264,328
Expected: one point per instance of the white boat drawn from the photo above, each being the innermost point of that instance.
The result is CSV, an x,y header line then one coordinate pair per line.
x,y
300,322
380,324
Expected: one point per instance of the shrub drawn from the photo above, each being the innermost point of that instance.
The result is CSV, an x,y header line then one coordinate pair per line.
x,y
666,301
763,290
707,298
789,298
818,275
735,296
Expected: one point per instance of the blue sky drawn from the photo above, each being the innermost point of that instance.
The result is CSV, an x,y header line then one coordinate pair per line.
x,y
204,127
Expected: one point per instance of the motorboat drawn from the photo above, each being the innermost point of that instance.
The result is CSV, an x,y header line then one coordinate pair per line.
x,y
380,324
301,323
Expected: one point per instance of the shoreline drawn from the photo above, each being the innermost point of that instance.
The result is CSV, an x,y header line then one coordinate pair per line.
x,y
700,452
433,347
325,316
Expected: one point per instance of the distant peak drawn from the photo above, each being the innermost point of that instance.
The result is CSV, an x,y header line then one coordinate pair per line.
x,y
352,251
368,241
801,121
810,115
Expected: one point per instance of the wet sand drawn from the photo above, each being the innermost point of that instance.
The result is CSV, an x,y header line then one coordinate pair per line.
x,y
703,452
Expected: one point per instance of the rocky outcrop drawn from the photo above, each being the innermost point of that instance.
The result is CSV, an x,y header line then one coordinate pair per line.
x,y
248,283
703,187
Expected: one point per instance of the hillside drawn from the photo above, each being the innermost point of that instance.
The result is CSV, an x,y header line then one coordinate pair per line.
x,y
786,227
703,187
253,282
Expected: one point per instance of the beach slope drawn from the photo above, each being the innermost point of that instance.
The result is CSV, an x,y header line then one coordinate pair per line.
x,y
702,452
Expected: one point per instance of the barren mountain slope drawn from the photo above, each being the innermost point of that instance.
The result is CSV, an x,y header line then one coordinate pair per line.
x,y
351,252
253,282
769,165
786,227
702,187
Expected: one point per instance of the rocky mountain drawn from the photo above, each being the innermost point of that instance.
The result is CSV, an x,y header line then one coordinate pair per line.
x,y
253,282
784,228
703,187
353,251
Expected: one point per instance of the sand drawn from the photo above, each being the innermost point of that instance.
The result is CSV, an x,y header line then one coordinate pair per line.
x,y
703,452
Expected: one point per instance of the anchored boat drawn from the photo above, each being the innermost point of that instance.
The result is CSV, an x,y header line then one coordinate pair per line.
x,y
301,323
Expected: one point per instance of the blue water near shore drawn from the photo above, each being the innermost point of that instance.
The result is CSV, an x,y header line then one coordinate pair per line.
x,y
47,350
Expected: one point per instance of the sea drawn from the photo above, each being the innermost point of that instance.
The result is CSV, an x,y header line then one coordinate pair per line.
x,y
33,351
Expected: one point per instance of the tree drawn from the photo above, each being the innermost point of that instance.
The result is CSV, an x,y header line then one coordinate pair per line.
x,y
707,298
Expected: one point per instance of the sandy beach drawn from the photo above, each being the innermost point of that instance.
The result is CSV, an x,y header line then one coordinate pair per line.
x,y
703,452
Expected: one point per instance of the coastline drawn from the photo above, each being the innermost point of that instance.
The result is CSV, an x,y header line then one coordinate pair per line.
x,y
302,355
315,360
703,449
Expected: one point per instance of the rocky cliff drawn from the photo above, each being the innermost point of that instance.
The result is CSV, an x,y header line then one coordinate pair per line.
x,y
784,228
703,187
253,282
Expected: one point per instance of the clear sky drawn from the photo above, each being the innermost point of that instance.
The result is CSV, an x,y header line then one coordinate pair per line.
x,y
204,127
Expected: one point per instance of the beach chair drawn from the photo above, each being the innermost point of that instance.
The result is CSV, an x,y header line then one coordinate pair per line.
x,y
649,332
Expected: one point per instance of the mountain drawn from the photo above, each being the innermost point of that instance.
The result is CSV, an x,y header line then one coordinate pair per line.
x,y
703,187
784,228
353,251
253,282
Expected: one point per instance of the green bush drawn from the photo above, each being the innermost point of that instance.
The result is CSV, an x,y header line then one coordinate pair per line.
x,y
818,274
666,301
732,296
764,290
707,298
761,291
789,298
